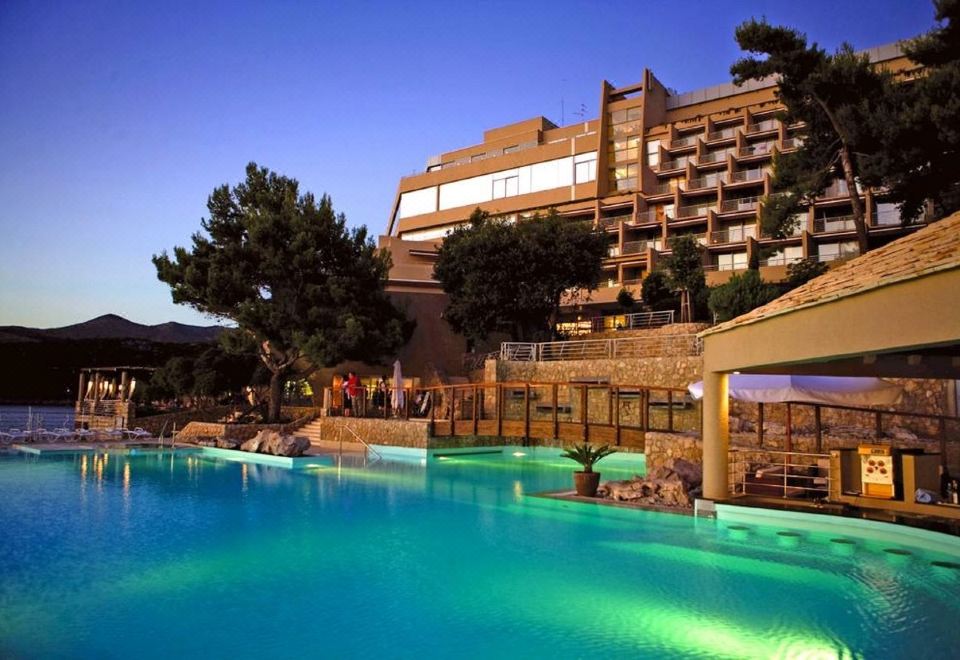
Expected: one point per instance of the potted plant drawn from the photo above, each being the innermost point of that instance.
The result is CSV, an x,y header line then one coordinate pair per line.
x,y
586,481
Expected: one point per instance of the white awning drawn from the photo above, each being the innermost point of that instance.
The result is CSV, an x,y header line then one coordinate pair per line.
x,y
826,390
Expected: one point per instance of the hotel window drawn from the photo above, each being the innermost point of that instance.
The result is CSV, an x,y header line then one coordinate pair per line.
x,y
507,185
653,153
626,149
625,121
585,167
887,214
512,149
834,251
625,177
735,261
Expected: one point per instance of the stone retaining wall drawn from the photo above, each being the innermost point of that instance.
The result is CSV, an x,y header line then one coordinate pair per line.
x,y
661,447
166,421
374,431
677,371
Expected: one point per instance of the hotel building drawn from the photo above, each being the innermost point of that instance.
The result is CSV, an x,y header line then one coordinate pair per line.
x,y
653,165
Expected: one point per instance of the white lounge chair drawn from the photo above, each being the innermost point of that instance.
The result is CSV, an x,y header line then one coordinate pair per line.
x,y
136,434
17,435
85,434
63,435
112,434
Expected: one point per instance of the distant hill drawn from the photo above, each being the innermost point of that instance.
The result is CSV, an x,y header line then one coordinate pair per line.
x,y
111,326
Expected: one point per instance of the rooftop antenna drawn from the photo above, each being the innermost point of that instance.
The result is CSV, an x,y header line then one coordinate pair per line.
x,y
581,111
563,118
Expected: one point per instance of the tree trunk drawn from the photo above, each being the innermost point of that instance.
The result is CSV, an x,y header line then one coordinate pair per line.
x,y
276,396
859,221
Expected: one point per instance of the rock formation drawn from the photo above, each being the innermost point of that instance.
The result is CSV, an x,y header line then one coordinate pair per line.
x,y
272,442
675,484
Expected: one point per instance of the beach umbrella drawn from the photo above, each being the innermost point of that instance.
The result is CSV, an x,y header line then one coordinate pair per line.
x,y
396,397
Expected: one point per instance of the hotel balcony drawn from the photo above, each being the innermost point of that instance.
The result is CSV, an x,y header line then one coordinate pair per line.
x,y
714,158
733,235
834,225
662,189
835,190
696,211
728,133
685,142
626,184
612,222
645,218
790,144
762,126
747,176
755,150
740,205
704,182
673,165
639,247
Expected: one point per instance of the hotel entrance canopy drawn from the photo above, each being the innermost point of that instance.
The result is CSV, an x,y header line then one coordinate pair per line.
x,y
893,312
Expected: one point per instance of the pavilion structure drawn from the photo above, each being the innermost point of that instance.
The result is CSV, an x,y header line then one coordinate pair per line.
x,y
893,312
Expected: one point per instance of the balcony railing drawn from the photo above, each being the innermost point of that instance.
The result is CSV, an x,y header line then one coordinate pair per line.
x,y
709,181
837,224
664,188
791,143
761,126
632,321
744,176
835,189
714,157
598,349
638,247
613,221
613,251
694,211
723,133
646,218
780,260
626,184
761,149
838,256
686,141
677,164
739,204
734,234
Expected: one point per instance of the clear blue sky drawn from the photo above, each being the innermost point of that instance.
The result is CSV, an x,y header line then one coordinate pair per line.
x,y
117,119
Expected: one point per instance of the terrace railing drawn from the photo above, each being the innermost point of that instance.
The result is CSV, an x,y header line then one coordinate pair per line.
x,y
600,349
634,321
779,474
835,224
739,204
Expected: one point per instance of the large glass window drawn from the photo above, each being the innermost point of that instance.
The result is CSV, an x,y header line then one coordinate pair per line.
x,y
418,202
585,167
734,261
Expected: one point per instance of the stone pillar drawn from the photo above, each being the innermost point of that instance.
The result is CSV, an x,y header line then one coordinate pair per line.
x,y
716,435
122,395
82,392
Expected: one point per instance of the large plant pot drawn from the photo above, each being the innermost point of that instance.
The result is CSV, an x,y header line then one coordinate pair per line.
x,y
586,483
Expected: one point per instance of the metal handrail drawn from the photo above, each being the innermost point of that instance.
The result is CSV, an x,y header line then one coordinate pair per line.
x,y
739,204
359,439
687,141
637,319
760,126
599,349
744,176
723,133
734,234
793,474
694,211
708,181
836,224
715,156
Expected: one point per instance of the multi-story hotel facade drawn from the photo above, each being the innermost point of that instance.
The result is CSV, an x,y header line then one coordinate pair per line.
x,y
653,165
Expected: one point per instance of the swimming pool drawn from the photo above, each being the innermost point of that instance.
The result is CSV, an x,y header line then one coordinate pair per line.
x,y
160,555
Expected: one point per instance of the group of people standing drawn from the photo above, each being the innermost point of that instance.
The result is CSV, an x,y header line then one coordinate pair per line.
x,y
352,393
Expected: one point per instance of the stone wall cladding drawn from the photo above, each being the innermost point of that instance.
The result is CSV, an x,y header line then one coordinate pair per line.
x,y
677,371
389,432
661,447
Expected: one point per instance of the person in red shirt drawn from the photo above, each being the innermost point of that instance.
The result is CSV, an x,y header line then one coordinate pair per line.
x,y
353,389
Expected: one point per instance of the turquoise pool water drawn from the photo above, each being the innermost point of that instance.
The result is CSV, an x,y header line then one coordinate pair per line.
x,y
157,555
